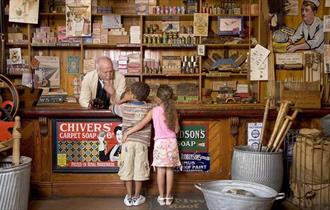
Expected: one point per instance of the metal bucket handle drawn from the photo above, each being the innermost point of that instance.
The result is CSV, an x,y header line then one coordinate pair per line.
x,y
198,186
280,196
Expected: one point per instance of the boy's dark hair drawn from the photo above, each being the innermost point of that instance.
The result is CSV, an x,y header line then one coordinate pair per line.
x,y
140,90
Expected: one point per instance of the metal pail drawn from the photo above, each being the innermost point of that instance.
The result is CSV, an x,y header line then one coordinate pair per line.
x,y
15,184
261,167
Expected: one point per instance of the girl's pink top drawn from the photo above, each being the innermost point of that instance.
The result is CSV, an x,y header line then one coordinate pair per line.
x,y
161,129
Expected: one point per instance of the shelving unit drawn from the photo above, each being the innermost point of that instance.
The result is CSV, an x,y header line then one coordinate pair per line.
x,y
201,75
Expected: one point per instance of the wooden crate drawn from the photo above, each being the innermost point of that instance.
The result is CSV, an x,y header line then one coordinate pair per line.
x,y
303,98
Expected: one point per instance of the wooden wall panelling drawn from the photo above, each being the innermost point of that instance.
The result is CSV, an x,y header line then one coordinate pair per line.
x,y
101,184
37,147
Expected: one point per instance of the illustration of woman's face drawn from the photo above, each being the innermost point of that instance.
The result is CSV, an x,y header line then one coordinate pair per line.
x,y
307,14
119,135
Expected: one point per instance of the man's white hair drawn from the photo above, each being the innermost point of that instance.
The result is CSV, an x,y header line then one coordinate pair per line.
x,y
98,60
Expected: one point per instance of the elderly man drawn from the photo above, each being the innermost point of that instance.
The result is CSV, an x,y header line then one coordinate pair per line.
x,y
104,85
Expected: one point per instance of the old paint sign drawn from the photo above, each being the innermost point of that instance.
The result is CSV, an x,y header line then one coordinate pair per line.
x,y
195,162
193,137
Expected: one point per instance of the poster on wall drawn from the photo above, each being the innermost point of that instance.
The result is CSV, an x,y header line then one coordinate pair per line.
x,y
24,11
193,147
254,132
47,74
327,58
86,145
201,23
326,23
78,18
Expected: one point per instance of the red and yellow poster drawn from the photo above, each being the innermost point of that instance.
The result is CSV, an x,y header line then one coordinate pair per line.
x,y
86,144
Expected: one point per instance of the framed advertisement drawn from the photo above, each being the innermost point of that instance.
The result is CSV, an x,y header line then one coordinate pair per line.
x,y
232,26
86,145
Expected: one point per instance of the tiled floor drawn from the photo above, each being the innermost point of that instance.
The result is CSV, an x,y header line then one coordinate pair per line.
x,y
182,202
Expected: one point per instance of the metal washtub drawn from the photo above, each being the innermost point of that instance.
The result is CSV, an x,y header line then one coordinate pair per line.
x,y
217,196
15,184
262,167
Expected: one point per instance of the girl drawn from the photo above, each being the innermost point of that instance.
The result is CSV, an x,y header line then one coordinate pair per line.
x,y
166,152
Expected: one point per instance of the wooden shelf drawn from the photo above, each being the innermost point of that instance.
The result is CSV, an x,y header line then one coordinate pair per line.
x,y
168,46
170,75
55,46
132,74
232,15
228,45
169,17
51,14
22,45
101,46
123,15
223,74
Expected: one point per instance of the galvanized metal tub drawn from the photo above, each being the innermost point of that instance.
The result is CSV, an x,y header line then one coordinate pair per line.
x,y
15,184
217,196
262,167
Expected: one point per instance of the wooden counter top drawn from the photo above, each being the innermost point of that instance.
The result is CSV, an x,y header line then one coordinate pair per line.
x,y
197,111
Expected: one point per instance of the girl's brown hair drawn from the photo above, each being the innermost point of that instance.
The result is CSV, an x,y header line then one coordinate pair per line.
x,y
165,94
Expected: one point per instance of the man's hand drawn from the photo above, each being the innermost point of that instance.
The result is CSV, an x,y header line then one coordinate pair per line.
x,y
108,87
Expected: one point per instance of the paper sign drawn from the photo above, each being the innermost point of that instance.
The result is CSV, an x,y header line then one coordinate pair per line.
x,y
254,132
201,23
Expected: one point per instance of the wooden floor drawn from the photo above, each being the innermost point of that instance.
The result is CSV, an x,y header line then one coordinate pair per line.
x,y
182,202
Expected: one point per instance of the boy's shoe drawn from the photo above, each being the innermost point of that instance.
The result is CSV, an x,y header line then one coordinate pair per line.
x,y
169,201
128,201
161,201
138,201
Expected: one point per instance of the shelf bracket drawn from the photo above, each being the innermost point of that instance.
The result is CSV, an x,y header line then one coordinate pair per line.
x,y
43,124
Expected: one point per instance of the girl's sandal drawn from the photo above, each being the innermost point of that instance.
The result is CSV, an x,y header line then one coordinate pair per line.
x,y
169,201
161,201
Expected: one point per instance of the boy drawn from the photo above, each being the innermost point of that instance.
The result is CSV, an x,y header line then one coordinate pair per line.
x,y
133,163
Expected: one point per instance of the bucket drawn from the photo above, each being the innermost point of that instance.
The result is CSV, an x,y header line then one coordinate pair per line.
x,y
15,184
218,195
261,167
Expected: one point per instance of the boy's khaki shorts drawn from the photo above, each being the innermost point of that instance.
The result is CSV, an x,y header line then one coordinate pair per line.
x,y
133,163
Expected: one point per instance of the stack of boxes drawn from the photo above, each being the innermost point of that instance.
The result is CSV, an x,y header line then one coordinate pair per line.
x,y
44,36
122,64
63,40
100,34
118,36
134,64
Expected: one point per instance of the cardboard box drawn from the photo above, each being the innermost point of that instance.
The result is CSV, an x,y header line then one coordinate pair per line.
x,y
118,39
171,64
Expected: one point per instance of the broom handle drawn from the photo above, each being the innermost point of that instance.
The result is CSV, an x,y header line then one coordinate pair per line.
x,y
264,124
